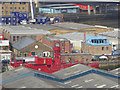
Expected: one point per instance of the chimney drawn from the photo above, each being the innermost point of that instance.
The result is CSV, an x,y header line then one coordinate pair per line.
x,y
95,34
84,36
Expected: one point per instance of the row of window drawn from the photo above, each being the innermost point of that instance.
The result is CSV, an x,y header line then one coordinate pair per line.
x,y
15,3
15,38
14,8
99,41
107,48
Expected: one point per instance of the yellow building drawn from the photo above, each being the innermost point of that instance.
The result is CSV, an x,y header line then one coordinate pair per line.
x,y
8,7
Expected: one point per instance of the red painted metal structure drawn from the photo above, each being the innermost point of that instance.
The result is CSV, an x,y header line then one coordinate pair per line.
x,y
1,37
46,64
85,7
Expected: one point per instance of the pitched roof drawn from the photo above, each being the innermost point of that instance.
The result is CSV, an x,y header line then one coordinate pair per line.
x,y
23,43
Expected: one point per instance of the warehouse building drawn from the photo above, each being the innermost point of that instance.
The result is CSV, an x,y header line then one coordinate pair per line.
x,y
30,47
59,8
77,76
16,33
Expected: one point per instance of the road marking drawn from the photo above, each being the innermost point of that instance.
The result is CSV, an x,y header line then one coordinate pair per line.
x,y
114,86
89,80
75,85
101,86
67,82
80,87
77,71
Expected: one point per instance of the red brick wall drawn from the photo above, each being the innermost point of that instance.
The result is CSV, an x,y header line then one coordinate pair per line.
x,y
47,42
64,46
96,50
79,57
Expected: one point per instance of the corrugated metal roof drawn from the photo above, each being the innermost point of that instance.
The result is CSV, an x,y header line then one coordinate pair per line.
x,y
24,30
24,77
15,0
23,43
114,33
74,26
52,38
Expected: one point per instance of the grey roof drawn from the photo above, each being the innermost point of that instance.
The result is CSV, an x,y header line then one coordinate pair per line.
x,y
15,0
75,36
52,38
71,71
69,1
57,5
113,34
116,71
25,78
46,27
74,26
23,43
24,30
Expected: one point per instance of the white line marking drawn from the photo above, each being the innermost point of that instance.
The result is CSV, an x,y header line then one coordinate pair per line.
x,y
67,74
89,80
80,87
101,86
114,86
75,85
67,82
95,85
77,71
19,69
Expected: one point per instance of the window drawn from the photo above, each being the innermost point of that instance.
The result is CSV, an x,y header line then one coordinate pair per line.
x,y
23,8
102,48
6,12
15,8
13,38
57,45
33,53
107,48
10,7
62,44
19,7
2,12
17,38
86,59
2,7
97,41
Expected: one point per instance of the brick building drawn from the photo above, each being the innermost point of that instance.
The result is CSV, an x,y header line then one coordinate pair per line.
x,y
27,46
8,6
96,46
81,57
16,33
65,46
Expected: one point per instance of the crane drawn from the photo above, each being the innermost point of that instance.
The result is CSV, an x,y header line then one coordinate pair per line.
x,y
32,12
